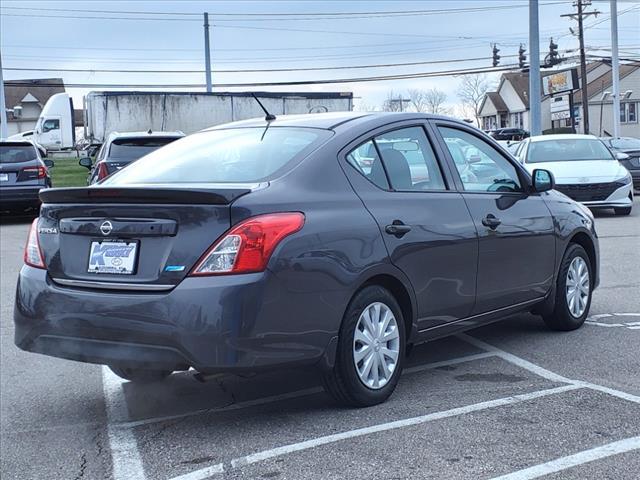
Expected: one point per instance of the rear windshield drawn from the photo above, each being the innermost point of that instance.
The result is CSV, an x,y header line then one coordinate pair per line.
x,y
567,150
134,148
241,155
17,153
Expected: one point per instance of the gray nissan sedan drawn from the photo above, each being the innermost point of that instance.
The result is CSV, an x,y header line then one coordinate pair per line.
x,y
334,240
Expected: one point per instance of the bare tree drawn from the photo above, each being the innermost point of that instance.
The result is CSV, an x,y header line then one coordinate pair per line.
x,y
393,102
429,101
472,90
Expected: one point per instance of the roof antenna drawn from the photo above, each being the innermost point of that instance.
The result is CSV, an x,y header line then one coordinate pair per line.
x,y
268,116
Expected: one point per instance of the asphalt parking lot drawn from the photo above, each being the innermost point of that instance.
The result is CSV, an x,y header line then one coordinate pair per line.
x,y
511,401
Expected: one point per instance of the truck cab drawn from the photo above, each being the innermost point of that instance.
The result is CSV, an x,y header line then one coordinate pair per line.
x,y
55,129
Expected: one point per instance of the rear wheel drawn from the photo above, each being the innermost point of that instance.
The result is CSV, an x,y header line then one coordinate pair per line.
x,y
371,347
622,211
139,375
573,291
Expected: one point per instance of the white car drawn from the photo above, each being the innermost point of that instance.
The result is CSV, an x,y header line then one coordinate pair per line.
x,y
584,169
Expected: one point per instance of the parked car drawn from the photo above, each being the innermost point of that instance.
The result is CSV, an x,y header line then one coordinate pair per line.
x,y
515,134
584,169
22,174
122,148
266,244
627,151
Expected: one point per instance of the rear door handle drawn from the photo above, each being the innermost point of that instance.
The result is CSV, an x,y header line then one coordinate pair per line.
x,y
491,221
397,228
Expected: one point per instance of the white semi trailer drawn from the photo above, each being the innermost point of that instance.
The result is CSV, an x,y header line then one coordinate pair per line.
x,y
106,112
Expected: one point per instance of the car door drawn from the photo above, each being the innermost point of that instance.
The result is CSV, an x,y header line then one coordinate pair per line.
x,y
425,223
50,136
515,228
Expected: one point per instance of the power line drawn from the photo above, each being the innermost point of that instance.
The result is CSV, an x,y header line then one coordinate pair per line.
x,y
256,70
290,16
378,78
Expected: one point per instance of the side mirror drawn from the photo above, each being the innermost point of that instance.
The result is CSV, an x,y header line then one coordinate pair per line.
x,y
48,163
543,180
86,162
622,156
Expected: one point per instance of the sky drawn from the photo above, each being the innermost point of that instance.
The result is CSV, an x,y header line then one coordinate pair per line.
x,y
254,35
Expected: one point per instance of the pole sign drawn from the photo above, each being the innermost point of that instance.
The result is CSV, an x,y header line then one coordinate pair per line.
x,y
560,82
560,107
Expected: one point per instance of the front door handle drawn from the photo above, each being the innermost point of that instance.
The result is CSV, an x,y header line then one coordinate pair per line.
x,y
491,221
397,228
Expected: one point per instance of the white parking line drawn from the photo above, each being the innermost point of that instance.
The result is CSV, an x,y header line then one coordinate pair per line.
x,y
125,456
291,395
543,372
349,434
628,325
575,460
202,474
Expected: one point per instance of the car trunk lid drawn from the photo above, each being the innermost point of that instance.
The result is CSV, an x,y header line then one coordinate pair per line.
x,y
133,238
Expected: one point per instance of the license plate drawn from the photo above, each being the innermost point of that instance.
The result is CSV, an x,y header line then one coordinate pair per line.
x,y
113,257
4,177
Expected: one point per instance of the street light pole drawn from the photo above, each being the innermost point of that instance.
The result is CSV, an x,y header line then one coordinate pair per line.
x,y
4,131
615,69
534,70
207,54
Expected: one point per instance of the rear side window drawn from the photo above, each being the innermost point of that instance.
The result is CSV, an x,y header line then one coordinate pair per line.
x,y
238,155
408,162
132,148
17,153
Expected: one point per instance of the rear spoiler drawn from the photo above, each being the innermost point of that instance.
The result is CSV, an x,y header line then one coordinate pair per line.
x,y
150,194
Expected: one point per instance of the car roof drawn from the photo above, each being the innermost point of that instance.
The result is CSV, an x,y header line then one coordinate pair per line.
x,y
148,134
327,121
17,143
562,136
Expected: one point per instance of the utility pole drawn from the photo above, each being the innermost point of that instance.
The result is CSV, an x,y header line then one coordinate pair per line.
x,y
580,4
401,101
207,54
4,132
615,69
535,125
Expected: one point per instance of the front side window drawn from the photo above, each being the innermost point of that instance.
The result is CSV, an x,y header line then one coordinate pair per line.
x,y
409,160
239,155
50,124
481,167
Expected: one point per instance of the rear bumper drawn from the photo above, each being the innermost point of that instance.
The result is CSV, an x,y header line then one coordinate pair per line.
x,y
227,323
10,196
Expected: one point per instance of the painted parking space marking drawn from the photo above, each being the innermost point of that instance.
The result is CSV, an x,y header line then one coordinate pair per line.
x,y
125,457
290,395
383,427
543,372
563,463
620,320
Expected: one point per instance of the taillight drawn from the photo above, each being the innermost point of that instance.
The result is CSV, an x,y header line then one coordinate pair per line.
x,y
102,170
247,247
35,172
32,252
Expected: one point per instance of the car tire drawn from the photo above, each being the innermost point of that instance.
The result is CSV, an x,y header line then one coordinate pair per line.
x,y
570,314
349,382
139,375
622,211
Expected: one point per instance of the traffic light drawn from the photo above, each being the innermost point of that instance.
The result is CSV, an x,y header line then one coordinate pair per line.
x,y
522,58
496,57
554,57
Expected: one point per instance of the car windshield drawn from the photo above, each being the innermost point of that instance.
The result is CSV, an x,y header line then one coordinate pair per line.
x,y
567,150
17,153
132,148
238,155
625,143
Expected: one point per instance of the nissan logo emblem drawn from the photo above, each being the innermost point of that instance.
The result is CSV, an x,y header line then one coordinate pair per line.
x,y
106,228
